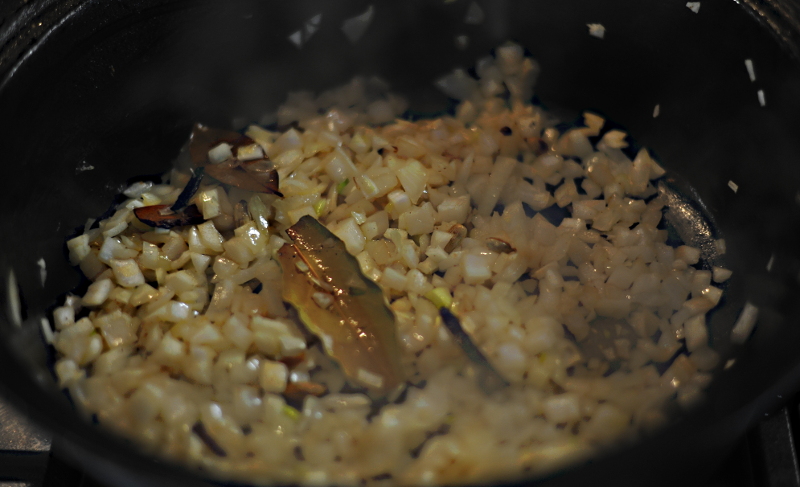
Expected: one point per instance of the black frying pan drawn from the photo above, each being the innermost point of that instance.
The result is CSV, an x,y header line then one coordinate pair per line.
x,y
115,85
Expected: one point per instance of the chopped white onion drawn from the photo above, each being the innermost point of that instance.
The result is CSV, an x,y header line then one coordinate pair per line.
x,y
273,376
136,189
721,274
97,293
748,63
250,152
474,15
355,27
458,84
369,378
745,323
42,270
597,30
219,153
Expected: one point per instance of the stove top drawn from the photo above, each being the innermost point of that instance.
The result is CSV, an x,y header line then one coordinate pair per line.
x,y
766,457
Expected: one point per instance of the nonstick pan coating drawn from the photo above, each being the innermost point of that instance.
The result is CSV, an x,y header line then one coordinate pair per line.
x,y
96,92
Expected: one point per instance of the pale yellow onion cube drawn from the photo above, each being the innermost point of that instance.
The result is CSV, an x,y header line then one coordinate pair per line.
x,y
690,255
351,234
78,248
127,272
149,258
273,376
418,220
289,140
142,294
63,316
476,268
291,346
713,293
236,330
413,177
209,238
172,311
238,250
97,293
206,334
339,166
208,202
393,279
594,124
249,152
267,333
199,261
220,153
68,372
721,274
181,281
696,333
261,136
562,408
117,328
120,295
198,364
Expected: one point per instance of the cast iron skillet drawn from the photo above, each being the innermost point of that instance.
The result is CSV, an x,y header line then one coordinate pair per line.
x,y
94,92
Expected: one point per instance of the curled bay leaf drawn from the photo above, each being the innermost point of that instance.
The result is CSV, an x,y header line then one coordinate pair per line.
x,y
204,138
257,175
339,304
189,190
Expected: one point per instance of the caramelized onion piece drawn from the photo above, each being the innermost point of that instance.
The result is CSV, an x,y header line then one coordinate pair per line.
x,y
499,245
297,391
257,175
357,329
458,231
162,216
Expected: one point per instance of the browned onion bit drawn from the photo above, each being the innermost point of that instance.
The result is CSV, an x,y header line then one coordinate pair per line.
x,y
162,216
297,391
499,245
458,231
294,361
